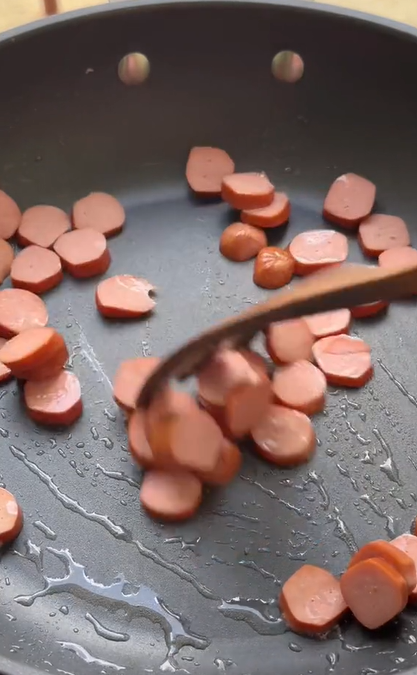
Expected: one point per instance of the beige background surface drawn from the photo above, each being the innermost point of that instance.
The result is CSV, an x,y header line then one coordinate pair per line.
x,y
16,12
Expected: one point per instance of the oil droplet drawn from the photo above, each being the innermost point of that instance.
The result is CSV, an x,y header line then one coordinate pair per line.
x,y
49,534
94,433
4,433
389,520
83,654
389,467
251,564
313,477
64,610
104,632
185,545
256,613
398,384
342,531
109,415
295,647
118,475
345,472
108,443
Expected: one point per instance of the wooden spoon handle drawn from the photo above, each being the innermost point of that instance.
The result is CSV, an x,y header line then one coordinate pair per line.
x,y
345,286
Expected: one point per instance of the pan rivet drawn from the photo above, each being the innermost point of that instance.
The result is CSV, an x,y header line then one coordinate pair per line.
x,y
134,68
287,66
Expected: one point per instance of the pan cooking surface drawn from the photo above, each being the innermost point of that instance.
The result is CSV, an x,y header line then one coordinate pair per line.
x,y
92,585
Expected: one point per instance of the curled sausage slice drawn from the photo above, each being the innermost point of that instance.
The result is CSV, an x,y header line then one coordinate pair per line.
x,y
316,249
349,200
36,269
83,253
380,233
35,354
369,309
274,215
6,259
247,190
129,380
374,591
99,211
300,386
11,517
19,311
42,225
227,467
393,555
289,341
325,324
285,437
274,268
5,372
124,297
311,601
240,242
408,544
205,170
55,401
345,360
171,496
10,216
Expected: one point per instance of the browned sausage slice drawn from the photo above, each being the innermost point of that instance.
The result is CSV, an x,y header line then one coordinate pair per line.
x,y
5,372
300,386
83,253
374,591
345,360
173,495
36,269
240,242
55,401
99,211
10,216
35,354
325,324
408,544
20,310
316,249
227,467
285,437
274,215
380,233
393,555
6,259
245,191
289,341
349,200
274,268
124,297
11,517
42,225
311,601
205,170
129,380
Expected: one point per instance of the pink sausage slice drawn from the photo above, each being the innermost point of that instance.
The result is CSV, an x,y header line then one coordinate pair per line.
x,y
20,310
171,496
99,211
350,199
56,401
42,225
10,216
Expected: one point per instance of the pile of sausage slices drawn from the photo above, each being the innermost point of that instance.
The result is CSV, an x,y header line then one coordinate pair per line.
x,y
184,442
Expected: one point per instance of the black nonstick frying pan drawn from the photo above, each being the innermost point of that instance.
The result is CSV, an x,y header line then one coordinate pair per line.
x,y
92,585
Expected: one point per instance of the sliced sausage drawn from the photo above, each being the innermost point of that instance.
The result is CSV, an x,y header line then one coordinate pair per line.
x,y
130,378
205,170
83,253
11,517
350,199
6,259
408,544
245,191
284,437
398,258
274,215
345,360
19,311
124,297
311,601
42,225
10,216
255,360
246,406
316,249
393,555
274,268
325,324
380,232
35,354
55,401
36,269
171,496
5,372
227,467
374,591
225,371
289,341
241,242
138,443
99,211
300,386
369,309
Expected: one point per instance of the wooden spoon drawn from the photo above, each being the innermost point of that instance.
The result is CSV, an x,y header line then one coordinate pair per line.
x,y
344,286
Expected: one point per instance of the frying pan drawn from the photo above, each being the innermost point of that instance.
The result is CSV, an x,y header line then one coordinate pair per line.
x,y
92,585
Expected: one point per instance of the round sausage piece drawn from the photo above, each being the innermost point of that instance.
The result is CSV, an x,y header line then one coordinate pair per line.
x,y
99,211
274,215
240,242
350,199
171,496
274,268
289,341
284,437
227,467
225,371
316,249
394,556
247,190
19,311
205,170
325,324
398,258
10,216
11,517
380,232
300,386
6,259
124,297
311,601
345,360
35,354
130,378
83,253
42,225
138,443
408,544
36,269
55,401
5,372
